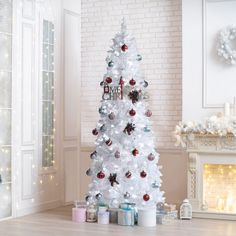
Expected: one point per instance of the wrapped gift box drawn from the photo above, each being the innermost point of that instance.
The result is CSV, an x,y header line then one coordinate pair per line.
x,y
166,217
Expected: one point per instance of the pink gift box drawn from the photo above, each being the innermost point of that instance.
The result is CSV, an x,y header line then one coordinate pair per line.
x,y
79,215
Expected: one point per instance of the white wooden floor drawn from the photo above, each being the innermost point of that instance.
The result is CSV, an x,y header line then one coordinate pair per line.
x,y
58,222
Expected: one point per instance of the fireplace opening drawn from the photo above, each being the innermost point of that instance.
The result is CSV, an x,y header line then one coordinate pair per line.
x,y
219,188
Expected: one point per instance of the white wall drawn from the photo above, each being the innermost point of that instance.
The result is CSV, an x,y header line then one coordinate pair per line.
x,y
207,82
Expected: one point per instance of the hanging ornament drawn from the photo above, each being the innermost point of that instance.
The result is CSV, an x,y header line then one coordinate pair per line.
x,y
89,172
93,155
111,64
134,96
145,84
111,116
108,80
112,179
146,129
121,81
101,175
132,82
109,142
95,132
128,174
132,112
98,196
124,47
143,174
160,206
102,83
102,110
151,157
103,128
139,57
148,113
88,198
127,195
146,197
117,154
106,89
129,128
155,185
135,152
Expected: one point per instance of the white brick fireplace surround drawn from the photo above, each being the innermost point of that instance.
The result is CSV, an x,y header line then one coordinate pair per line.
x,y
218,153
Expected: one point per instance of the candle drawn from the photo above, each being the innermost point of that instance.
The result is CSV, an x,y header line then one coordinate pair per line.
x,y
147,217
79,215
227,109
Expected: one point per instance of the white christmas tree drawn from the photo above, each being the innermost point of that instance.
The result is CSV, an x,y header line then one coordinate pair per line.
x,y
124,165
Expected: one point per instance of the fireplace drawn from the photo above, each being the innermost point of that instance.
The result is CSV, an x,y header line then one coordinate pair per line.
x,y
212,176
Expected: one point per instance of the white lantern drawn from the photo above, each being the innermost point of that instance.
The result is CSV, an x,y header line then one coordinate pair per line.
x,y
185,212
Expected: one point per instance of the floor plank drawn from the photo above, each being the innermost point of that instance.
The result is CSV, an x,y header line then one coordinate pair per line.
x,y
58,222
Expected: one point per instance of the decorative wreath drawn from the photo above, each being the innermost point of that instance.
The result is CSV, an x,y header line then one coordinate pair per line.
x,y
224,45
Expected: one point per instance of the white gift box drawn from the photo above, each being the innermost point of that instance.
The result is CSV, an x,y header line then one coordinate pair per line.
x,y
163,217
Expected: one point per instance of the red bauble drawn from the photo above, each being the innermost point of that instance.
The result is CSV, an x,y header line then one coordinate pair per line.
x,y
135,152
109,142
132,112
128,174
108,80
132,82
95,132
146,197
101,175
148,113
124,47
143,174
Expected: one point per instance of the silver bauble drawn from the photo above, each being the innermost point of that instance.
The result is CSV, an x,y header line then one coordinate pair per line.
x,y
117,154
103,128
93,155
151,157
155,185
127,195
89,172
98,196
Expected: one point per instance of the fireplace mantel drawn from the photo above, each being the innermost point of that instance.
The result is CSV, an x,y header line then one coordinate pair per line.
x,y
203,149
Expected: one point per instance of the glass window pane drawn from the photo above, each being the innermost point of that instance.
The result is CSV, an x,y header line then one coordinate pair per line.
x,y
51,33
5,127
5,200
5,16
47,118
5,167
51,58
45,56
47,151
5,52
45,31
5,89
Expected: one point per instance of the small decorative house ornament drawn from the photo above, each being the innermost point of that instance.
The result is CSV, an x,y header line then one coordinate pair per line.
x,y
185,212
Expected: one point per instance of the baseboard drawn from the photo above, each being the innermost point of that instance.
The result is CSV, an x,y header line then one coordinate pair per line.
x,y
38,208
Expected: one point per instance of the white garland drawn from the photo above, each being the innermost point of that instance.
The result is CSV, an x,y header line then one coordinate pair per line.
x,y
224,47
215,125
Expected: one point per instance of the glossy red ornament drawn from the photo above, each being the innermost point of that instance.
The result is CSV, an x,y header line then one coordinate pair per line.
x,y
108,80
135,152
132,82
132,112
95,132
109,142
146,197
101,175
143,174
148,113
124,47
128,174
